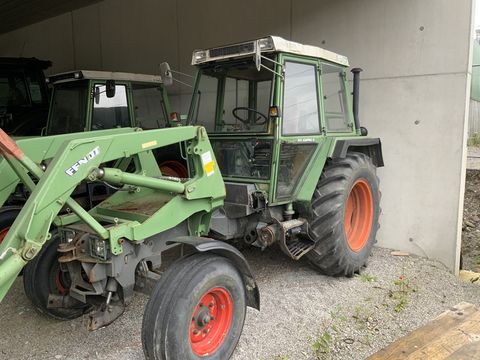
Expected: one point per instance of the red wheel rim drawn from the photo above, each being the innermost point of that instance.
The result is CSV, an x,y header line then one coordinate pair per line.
x,y
3,233
59,282
211,321
358,215
174,168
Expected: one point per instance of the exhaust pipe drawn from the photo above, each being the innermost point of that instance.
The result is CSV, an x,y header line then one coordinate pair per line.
x,y
356,100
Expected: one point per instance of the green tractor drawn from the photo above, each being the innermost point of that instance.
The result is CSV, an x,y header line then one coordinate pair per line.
x,y
298,168
86,100
285,162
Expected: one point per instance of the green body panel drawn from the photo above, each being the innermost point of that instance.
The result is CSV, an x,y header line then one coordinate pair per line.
x,y
162,202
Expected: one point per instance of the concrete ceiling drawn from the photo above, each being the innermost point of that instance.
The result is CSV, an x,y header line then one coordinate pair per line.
x,y
18,13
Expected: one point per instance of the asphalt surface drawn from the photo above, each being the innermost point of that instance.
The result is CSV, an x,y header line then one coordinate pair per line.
x,y
303,315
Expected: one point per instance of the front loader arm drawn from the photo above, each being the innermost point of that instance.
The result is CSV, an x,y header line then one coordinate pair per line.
x,y
81,159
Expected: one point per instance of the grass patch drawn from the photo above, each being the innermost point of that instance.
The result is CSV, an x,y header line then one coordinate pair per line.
x,y
474,140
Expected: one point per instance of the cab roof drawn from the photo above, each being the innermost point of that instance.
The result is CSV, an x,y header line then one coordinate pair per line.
x,y
104,75
270,44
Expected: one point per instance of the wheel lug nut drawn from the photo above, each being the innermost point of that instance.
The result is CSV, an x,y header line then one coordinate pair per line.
x,y
210,305
195,332
205,331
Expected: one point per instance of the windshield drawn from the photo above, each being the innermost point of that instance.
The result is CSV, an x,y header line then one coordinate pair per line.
x,y
239,92
68,108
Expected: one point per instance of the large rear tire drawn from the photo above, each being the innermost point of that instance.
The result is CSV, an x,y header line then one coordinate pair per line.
x,y
196,311
43,276
344,215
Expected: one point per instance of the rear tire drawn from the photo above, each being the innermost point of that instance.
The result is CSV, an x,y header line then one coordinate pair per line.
x,y
43,276
196,311
344,215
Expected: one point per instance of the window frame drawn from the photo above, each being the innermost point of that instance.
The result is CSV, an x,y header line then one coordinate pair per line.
x,y
315,64
165,103
91,102
219,105
348,110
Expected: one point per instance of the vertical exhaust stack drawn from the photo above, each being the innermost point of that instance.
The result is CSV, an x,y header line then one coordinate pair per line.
x,y
356,100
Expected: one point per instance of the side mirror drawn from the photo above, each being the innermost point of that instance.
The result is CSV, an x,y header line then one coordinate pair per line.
x,y
110,88
166,74
96,95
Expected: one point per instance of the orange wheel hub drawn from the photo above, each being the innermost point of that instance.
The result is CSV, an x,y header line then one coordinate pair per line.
x,y
358,215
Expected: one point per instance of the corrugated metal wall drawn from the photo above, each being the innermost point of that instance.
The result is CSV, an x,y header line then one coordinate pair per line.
x,y
474,119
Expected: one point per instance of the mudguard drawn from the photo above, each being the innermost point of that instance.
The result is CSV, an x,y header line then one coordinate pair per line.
x,y
369,146
201,244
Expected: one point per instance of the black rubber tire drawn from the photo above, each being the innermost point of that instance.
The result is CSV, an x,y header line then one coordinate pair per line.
x,y
168,313
332,255
38,282
8,214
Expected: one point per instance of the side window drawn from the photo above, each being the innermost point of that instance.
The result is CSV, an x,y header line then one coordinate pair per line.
x,y
148,105
111,112
236,95
334,99
300,100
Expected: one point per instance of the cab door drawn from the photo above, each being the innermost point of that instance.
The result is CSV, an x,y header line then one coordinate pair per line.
x,y
299,129
336,101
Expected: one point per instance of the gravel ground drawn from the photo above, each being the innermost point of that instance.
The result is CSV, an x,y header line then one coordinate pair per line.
x,y
304,315
471,223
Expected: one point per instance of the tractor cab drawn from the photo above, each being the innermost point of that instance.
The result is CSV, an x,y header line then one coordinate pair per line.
x,y
98,100
269,106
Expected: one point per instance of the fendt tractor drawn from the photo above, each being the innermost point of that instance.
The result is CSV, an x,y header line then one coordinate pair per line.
x,y
275,156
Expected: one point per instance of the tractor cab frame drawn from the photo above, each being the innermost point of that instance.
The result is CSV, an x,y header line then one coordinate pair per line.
x,y
86,100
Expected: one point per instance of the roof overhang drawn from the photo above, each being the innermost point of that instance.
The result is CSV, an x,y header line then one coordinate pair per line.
x,y
103,75
270,44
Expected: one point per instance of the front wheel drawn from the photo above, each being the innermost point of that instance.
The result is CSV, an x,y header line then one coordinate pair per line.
x,y
196,311
344,215
43,276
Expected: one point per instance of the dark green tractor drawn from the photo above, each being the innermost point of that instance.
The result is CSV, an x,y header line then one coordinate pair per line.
x,y
299,169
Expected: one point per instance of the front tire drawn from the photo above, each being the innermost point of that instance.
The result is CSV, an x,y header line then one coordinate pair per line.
x,y
344,215
196,311
43,276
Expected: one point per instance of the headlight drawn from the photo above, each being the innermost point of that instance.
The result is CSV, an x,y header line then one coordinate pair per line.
x,y
265,43
68,235
98,248
199,56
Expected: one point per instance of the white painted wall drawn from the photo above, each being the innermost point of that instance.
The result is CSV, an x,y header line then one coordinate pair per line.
x,y
416,57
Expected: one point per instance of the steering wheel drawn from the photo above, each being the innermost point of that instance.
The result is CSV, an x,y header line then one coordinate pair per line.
x,y
261,120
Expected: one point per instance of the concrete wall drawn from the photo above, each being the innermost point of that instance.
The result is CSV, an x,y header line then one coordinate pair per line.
x,y
416,56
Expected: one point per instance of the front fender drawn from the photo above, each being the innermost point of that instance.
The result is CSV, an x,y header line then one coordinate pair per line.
x,y
201,245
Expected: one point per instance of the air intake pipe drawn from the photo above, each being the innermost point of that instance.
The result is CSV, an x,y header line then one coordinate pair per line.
x,y
356,100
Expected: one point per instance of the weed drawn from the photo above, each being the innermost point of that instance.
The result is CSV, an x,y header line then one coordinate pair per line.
x,y
366,277
322,344
403,288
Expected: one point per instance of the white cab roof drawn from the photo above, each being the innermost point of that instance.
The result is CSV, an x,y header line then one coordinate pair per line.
x,y
104,75
269,44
